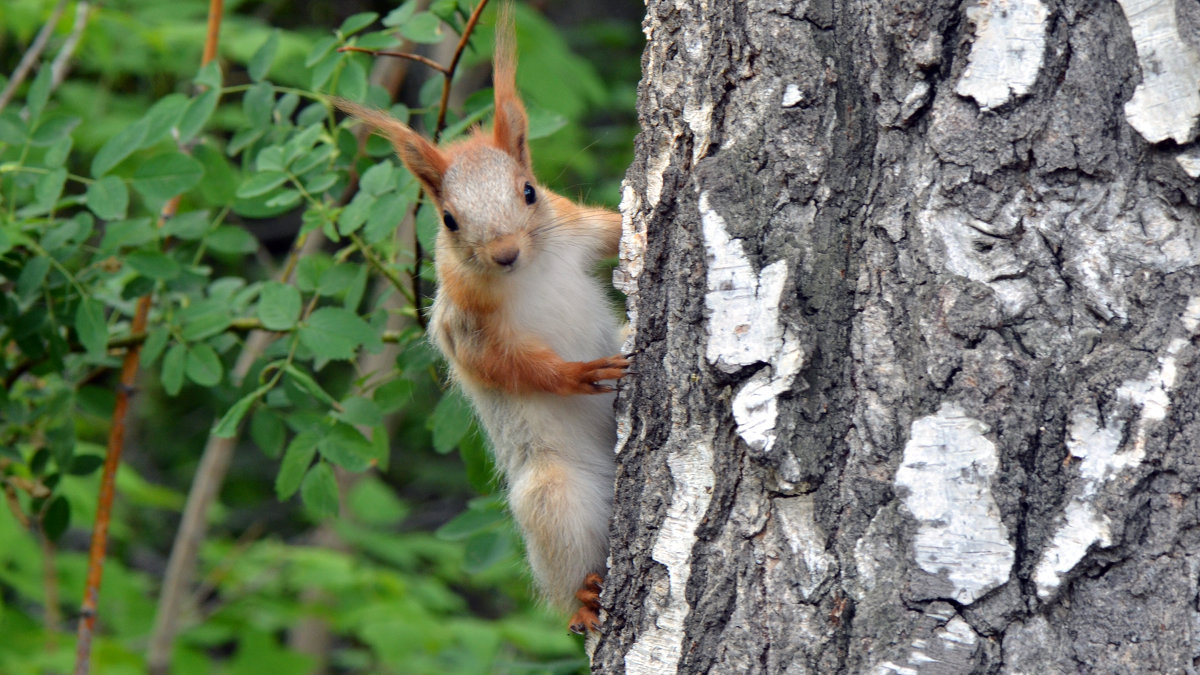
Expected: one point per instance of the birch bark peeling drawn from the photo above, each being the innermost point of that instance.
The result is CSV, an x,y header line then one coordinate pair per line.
x,y
936,353
1010,36
1167,102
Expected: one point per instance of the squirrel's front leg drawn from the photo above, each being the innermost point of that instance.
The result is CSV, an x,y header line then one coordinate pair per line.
x,y
529,368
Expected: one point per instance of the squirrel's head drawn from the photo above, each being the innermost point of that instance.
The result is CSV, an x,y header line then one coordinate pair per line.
x,y
491,205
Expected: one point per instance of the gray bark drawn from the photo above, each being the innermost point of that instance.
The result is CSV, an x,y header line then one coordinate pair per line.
x,y
916,296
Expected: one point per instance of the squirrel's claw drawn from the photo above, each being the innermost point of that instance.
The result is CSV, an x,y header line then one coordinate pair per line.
x,y
587,617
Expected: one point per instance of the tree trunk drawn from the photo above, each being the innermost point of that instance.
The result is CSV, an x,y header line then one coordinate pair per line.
x,y
916,293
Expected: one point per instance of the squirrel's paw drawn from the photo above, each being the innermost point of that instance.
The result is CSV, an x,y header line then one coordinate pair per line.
x,y
588,375
587,617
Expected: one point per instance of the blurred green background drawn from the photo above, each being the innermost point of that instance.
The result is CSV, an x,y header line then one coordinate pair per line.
x,y
359,528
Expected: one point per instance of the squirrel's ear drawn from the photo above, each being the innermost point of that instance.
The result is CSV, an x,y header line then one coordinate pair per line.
x,y
511,128
421,157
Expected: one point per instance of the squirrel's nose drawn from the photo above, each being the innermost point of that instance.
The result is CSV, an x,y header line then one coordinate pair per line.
x,y
506,256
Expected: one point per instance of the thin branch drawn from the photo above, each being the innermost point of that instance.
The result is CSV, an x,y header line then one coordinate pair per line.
x,y
58,69
116,438
32,55
400,55
449,72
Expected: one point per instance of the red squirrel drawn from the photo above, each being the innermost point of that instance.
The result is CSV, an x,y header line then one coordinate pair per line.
x,y
528,330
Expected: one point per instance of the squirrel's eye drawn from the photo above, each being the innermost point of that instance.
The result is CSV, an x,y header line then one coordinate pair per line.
x,y
451,223
530,195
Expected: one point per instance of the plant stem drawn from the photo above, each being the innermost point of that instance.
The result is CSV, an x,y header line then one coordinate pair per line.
x,y
116,438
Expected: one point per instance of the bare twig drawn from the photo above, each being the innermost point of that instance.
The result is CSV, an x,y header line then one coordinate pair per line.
x,y
449,72
32,55
116,438
58,69
400,55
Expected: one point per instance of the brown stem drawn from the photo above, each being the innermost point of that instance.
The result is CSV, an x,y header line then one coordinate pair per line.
x,y
116,438
400,55
447,80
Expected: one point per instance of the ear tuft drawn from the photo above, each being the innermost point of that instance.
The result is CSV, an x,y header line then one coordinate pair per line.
x,y
511,128
420,156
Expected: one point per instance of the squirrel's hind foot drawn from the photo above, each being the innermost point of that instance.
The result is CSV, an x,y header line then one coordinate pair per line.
x,y
587,617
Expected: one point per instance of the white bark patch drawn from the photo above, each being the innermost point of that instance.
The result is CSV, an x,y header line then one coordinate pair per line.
x,y
945,477
1010,36
805,540
792,96
950,651
660,646
1103,462
1167,102
1097,446
744,329
1189,161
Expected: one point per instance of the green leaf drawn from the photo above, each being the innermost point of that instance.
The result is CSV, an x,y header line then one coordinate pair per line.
x,y
319,491
401,14
118,148
356,22
172,368
83,465
360,411
543,122
155,342
210,75
260,63
189,226
471,522
258,103
481,472
374,503
311,160
231,239
39,93
345,446
220,178
428,222
352,83
164,176
58,514
378,179
91,327
49,188
57,153
261,183
161,118
335,333
50,130
296,460
306,382
108,198
32,277
268,431
279,306
228,426
486,549
394,395
423,27
337,279
320,50
204,366
451,420
153,265
199,110
355,214
204,319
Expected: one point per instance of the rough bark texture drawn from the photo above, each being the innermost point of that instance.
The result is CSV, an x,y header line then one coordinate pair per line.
x,y
916,293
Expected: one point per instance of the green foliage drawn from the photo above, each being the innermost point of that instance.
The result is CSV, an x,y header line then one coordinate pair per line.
x,y
141,175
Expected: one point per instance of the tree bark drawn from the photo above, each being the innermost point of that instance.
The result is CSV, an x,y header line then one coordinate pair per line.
x,y
916,296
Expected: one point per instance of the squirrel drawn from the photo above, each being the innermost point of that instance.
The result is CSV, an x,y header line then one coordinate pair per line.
x,y
528,331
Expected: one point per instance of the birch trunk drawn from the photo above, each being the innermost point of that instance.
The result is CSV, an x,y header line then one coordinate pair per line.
x,y
916,296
